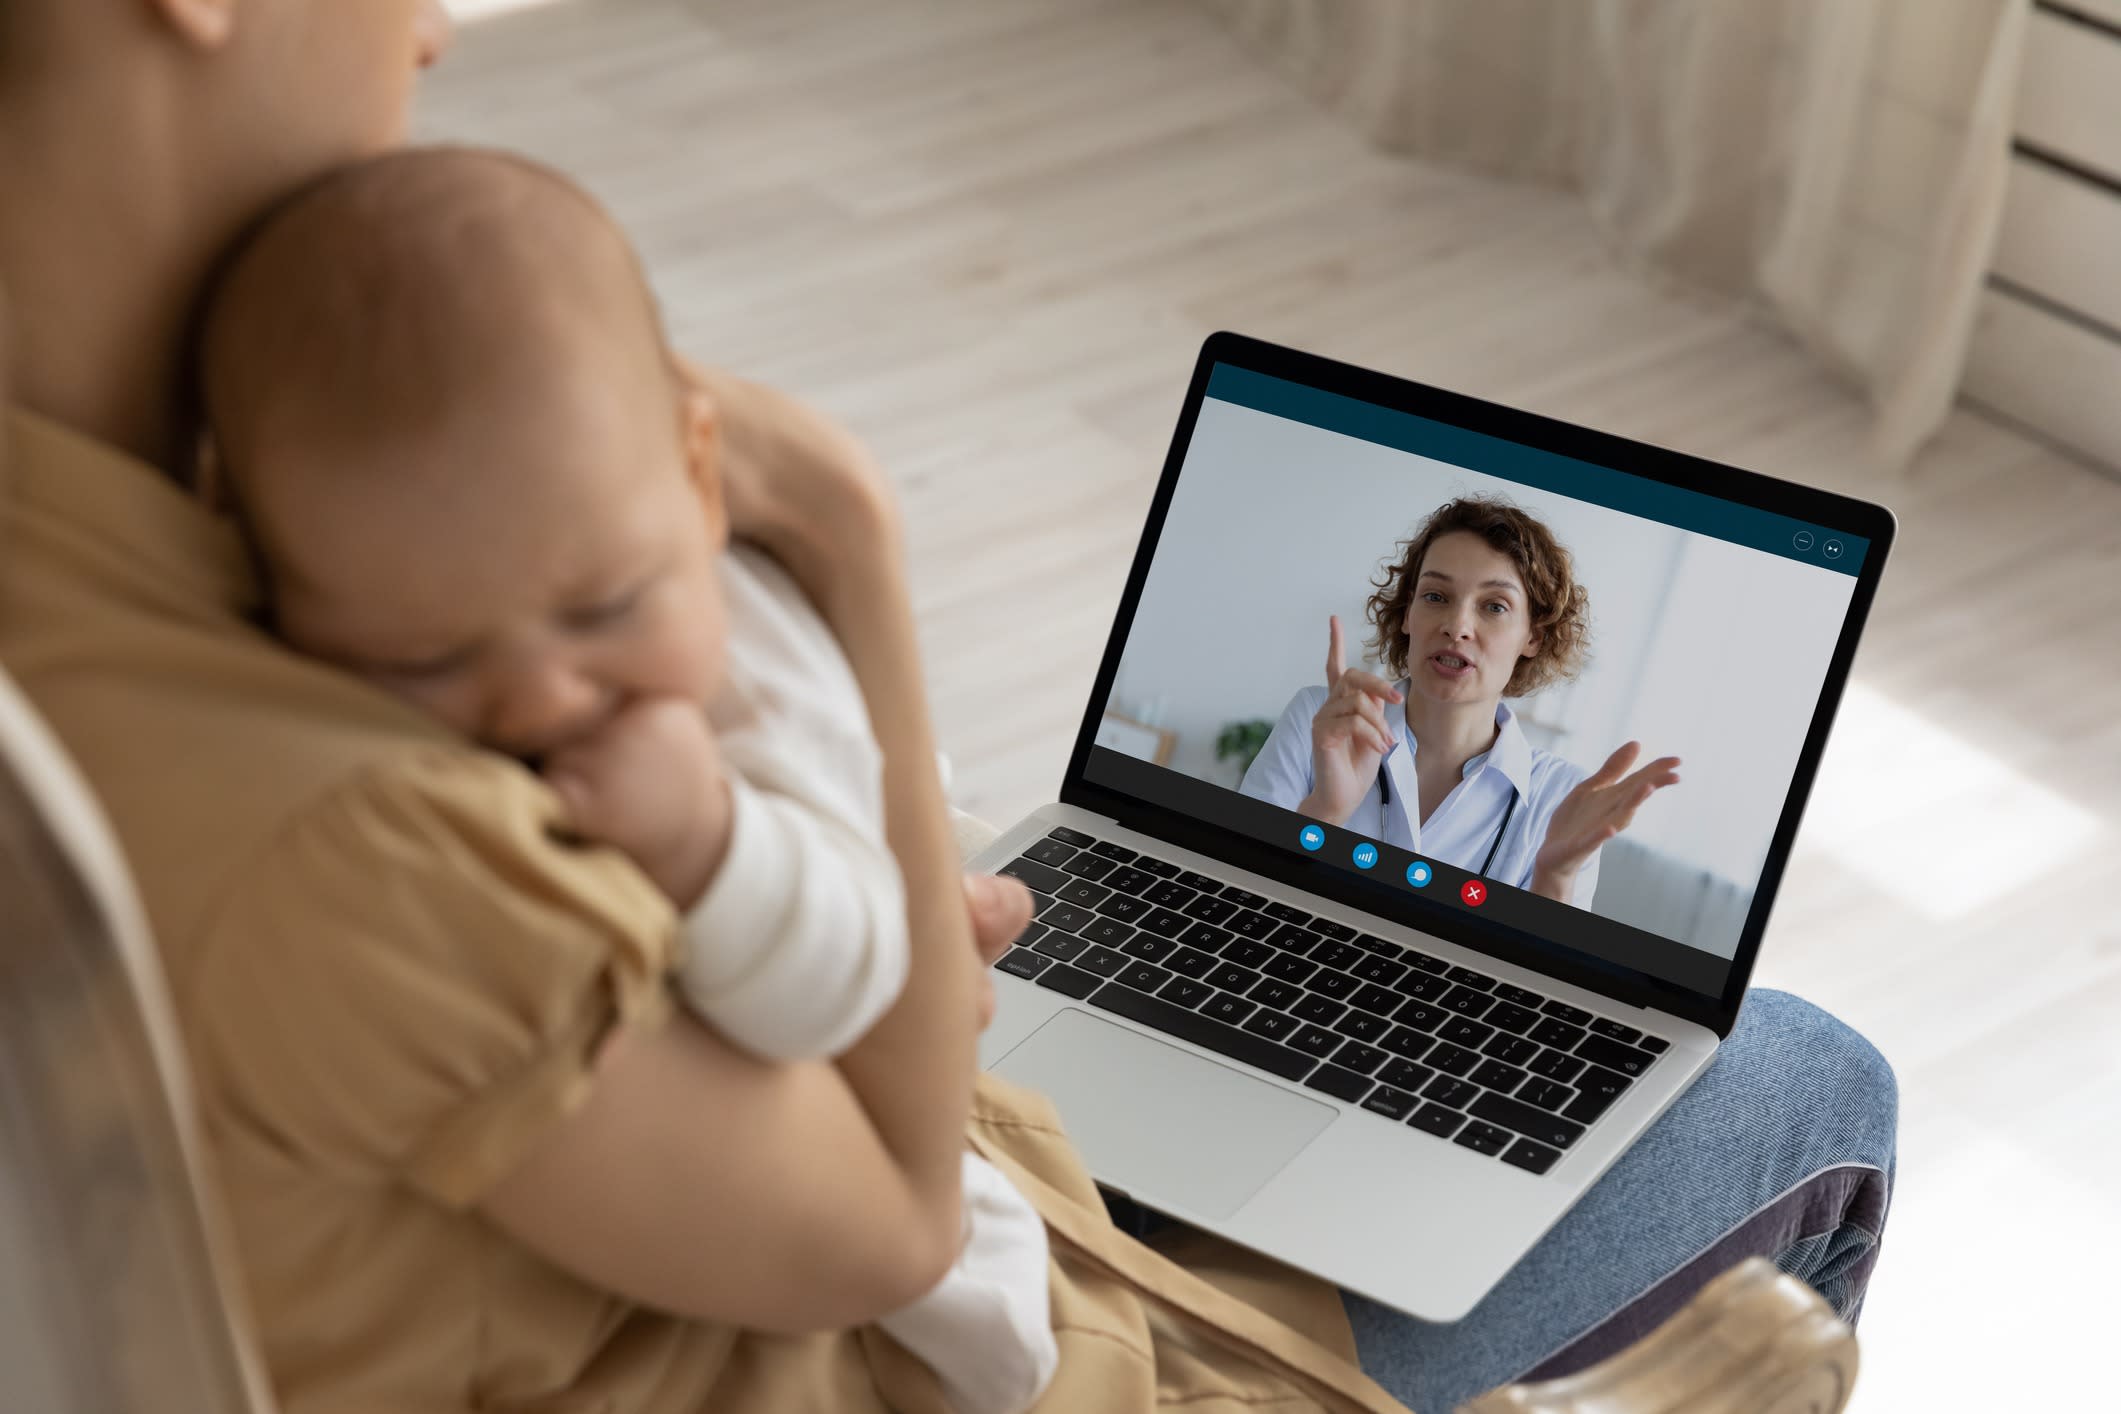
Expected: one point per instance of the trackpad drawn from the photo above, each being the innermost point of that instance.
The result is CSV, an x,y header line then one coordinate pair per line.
x,y
1160,1122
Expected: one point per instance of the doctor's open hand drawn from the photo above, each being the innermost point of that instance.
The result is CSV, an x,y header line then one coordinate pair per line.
x,y
1350,734
1599,808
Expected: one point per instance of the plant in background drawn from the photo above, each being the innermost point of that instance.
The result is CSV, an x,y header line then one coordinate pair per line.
x,y
1241,741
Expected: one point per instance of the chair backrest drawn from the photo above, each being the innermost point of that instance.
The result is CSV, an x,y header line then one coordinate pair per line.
x,y
115,1296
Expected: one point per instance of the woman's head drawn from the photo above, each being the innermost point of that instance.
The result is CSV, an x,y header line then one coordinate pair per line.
x,y
1482,603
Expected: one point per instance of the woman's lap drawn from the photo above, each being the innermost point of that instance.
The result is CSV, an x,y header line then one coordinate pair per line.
x,y
1783,1148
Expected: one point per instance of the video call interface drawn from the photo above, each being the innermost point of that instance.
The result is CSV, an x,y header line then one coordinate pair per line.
x,y
1466,674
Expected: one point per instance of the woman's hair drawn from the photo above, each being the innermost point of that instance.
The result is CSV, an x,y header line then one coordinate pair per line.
x,y
1560,610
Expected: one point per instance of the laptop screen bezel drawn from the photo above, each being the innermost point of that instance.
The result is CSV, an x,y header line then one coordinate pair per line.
x,y
1462,926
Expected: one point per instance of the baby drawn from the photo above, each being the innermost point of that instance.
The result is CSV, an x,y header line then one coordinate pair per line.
x,y
443,405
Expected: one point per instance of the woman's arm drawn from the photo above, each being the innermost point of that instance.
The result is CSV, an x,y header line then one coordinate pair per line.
x,y
798,1196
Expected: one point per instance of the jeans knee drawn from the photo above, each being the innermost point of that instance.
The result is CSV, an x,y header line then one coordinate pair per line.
x,y
1845,1076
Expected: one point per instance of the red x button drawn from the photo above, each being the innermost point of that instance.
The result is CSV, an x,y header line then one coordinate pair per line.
x,y
1473,892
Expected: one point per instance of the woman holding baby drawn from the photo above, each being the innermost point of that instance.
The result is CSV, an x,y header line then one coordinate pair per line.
x,y
423,856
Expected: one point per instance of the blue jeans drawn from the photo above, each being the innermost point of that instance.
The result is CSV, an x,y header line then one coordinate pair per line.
x,y
1783,1148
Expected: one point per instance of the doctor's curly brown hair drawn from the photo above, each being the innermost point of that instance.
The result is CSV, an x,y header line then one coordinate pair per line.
x,y
1559,608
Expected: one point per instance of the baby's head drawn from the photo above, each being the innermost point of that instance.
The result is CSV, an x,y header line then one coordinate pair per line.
x,y
443,406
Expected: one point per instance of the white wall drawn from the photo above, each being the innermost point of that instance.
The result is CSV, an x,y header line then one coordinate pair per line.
x,y
1699,648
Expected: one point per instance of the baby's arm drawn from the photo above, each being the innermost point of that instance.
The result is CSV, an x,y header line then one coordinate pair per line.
x,y
799,943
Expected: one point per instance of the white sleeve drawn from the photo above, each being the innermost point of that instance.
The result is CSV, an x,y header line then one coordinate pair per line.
x,y
799,944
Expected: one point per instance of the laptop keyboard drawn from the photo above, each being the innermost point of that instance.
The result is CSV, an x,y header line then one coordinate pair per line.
x,y
1408,1038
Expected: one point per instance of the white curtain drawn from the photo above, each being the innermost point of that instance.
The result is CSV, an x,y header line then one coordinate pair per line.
x,y
1838,163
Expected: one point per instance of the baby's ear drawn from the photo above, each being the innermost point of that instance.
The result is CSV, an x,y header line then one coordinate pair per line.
x,y
703,455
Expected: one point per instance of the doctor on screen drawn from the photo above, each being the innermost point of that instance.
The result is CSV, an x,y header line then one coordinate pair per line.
x,y
1482,604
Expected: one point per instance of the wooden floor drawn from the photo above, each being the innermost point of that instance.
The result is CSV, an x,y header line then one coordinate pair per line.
x,y
991,236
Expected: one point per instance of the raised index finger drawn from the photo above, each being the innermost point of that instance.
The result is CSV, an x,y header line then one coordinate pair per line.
x,y
1336,656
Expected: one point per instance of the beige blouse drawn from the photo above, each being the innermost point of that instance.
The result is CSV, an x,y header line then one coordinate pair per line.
x,y
391,979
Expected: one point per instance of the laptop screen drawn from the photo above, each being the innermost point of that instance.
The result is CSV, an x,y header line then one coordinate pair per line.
x,y
1565,704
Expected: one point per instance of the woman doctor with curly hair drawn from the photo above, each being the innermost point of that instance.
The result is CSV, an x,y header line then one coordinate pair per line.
x,y
1482,604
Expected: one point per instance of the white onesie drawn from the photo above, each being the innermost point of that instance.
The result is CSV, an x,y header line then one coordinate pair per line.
x,y
799,946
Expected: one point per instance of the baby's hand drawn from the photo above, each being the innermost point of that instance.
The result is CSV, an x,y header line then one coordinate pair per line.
x,y
651,783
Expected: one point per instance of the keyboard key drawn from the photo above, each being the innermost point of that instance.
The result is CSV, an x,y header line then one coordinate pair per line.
x,y
1068,836
1423,962
1392,1104
1032,933
1247,924
1464,1031
1067,917
1337,985
1274,1025
1070,981
1109,850
1088,866
1295,939
1518,996
1371,997
1103,961
1241,897
1655,1045
1405,1075
1423,986
1445,1091
1168,894
1372,944
1315,1041
1148,947
1484,1138
1207,937
1035,875
1051,852
1185,992
1157,867
1061,945
1627,1035
1340,1084
1082,891
1232,978
1322,1010
1555,1066
1601,1050
1202,1031
1209,910
1508,1016
1193,879
1340,955
1378,969
1143,976
1358,1057
1289,969
1401,1041
1125,909
1452,1060
1190,962
1164,923
1247,953
1598,1081
1527,1120
1437,1120
1422,1016
1558,1034
1277,994
1587,1109
1574,1016
1537,1158
1284,913
1022,962
1327,928
1545,1094
1362,1026
1511,1050
1129,881
1467,977
1109,931
1501,1078
1467,1002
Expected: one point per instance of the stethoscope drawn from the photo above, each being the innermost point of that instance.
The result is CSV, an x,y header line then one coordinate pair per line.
x,y
1384,793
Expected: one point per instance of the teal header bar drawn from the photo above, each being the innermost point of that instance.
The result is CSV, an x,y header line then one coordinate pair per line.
x,y
1818,545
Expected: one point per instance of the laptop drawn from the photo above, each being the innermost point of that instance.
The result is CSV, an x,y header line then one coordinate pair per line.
x,y
1396,1067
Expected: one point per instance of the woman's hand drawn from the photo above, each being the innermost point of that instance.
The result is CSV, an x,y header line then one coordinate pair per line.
x,y
1349,735
1001,910
1599,808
